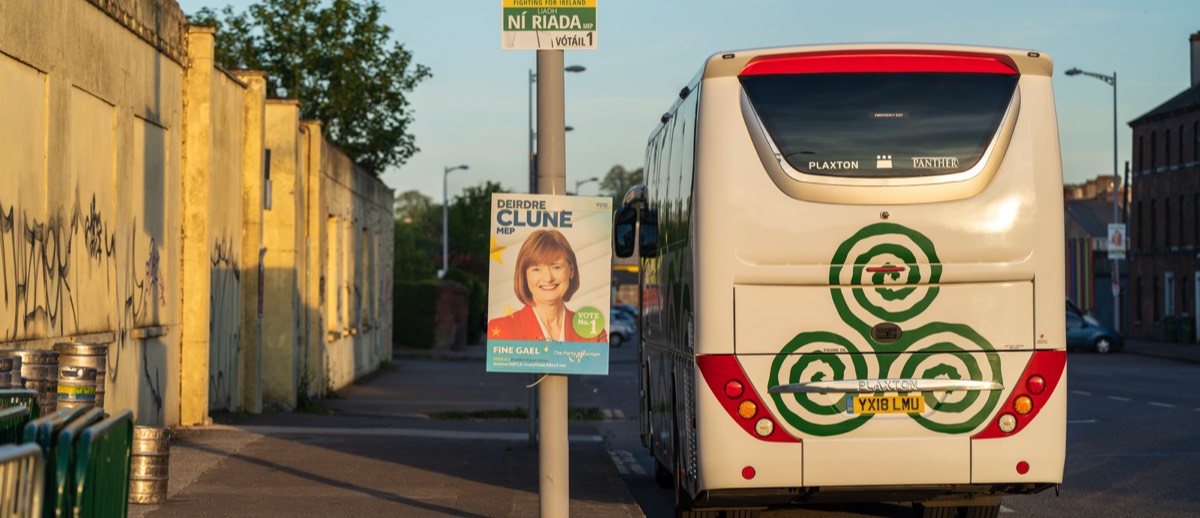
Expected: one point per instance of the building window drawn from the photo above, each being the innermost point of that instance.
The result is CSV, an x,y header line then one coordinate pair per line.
x,y
1152,241
1141,153
1157,302
1153,150
1182,222
1181,141
1196,140
1167,223
1167,148
1169,293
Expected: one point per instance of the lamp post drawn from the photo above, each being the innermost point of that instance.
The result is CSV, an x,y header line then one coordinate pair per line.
x,y
1116,268
532,161
446,220
581,182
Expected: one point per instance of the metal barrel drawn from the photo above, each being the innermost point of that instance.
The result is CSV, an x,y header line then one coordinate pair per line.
x,y
39,369
149,466
95,356
76,387
10,372
16,382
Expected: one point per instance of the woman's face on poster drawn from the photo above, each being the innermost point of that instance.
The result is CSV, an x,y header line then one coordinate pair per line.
x,y
548,283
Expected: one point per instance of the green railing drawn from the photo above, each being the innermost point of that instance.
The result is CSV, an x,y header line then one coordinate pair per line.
x,y
65,460
21,479
14,397
102,459
12,423
44,431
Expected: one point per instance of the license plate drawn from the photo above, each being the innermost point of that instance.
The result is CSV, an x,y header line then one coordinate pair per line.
x,y
885,404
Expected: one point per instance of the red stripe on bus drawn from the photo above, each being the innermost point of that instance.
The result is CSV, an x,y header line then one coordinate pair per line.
x,y
885,269
880,62
1047,364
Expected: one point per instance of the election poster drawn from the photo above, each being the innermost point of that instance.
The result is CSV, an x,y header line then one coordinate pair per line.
x,y
549,284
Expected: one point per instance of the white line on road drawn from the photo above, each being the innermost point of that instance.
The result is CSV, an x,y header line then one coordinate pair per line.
x,y
1163,405
1006,510
1081,392
1118,398
391,432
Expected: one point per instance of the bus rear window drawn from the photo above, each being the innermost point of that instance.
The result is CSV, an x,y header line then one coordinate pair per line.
x,y
890,125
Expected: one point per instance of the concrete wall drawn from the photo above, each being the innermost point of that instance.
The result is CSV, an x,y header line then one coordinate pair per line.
x,y
132,213
89,187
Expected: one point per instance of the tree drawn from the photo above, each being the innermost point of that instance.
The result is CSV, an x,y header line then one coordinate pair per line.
x,y
618,180
337,60
471,230
411,206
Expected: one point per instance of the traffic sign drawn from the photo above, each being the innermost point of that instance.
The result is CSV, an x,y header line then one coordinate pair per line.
x,y
548,25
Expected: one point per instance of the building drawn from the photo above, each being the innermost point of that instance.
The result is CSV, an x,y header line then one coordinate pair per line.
x,y
1165,214
1088,211
229,256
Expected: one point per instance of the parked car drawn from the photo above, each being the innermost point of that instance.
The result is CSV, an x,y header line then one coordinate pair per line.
x,y
623,325
1085,332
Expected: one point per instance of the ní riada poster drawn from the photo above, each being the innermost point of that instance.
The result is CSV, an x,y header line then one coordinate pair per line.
x,y
549,284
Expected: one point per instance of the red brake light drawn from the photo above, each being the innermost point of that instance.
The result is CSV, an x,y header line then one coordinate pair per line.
x,y
733,389
1036,384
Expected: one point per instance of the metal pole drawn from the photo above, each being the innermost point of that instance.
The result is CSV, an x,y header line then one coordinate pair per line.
x,y
532,168
445,225
553,459
533,390
1116,263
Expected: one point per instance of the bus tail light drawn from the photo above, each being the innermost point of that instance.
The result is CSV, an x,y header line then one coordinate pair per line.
x,y
724,376
1029,396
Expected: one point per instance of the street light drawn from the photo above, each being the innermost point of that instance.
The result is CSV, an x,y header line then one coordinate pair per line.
x,y
1112,81
446,220
532,157
581,182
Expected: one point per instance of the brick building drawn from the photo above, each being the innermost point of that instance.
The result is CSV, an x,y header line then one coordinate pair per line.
x,y
1165,214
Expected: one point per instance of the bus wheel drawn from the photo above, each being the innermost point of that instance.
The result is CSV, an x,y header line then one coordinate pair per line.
x,y
979,511
662,475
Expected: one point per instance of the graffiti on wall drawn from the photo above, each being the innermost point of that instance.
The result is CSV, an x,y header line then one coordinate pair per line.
x,y
224,324
39,283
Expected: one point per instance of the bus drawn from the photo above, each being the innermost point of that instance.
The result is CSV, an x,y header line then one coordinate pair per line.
x,y
851,280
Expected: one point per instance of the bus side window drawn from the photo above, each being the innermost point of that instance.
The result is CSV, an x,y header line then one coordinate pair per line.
x,y
624,231
648,237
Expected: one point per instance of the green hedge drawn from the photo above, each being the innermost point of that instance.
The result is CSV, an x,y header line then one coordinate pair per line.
x,y
414,317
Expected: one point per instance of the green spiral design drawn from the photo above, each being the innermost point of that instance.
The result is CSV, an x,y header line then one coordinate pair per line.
x,y
838,366
974,371
858,267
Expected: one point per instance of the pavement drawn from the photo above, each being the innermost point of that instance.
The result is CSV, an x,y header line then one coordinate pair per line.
x,y
383,452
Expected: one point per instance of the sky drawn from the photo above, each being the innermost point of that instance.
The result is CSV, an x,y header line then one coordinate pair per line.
x,y
474,110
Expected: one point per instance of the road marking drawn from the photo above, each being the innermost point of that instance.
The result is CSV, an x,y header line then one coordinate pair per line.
x,y
1081,392
626,462
1006,510
1163,405
391,432
1118,398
